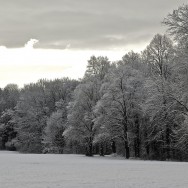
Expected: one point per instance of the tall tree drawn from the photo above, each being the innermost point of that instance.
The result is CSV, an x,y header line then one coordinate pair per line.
x,y
177,23
81,109
160,58
119,104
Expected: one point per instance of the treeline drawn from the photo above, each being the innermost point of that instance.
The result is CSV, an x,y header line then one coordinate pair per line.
x,y
136,107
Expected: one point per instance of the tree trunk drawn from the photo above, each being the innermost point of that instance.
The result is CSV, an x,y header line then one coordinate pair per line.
x,y
101,150
147,149
137,139
127,150
90,149
113,147
167,143
3,143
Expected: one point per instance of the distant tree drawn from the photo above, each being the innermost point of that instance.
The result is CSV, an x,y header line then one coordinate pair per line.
x,y
7,130
59,89
36,104
31,116
8,100
9,97
97,67
53,132
1,101
133,59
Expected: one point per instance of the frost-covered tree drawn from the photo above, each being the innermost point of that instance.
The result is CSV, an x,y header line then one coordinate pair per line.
x,y
159,55
97,67
182,137
177,23
81,110
7,130
36,104
8,100
31,116
119,105
9,97
53,139
80,116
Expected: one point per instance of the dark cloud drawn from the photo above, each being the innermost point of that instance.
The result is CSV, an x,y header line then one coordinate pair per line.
x,y
82,24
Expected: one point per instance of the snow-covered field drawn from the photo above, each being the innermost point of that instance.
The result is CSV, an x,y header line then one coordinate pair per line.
x,y
77,171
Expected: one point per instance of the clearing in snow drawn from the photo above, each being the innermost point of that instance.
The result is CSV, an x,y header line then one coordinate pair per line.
x,y
77,171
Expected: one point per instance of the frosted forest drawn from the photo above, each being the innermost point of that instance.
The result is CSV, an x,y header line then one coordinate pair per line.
x,y
136,107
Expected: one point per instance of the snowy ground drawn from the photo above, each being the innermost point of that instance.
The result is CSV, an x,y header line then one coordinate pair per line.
x,y
77,171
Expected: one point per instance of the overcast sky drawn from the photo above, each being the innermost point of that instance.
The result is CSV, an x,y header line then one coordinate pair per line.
x,y
80,25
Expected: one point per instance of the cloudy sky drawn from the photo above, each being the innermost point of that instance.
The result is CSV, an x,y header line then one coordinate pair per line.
x,y
68,32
